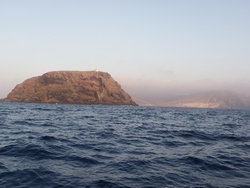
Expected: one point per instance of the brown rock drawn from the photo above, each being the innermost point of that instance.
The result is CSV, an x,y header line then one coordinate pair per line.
x,y
71,87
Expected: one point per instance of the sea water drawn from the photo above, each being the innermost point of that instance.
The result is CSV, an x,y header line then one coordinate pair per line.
x,y
49,145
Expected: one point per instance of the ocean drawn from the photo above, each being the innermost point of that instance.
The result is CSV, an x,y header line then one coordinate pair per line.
x,y
54,145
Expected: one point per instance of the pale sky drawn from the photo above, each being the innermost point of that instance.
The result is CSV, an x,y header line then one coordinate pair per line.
x,y
151,47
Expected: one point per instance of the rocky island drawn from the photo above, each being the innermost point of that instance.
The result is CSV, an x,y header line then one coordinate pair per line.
x,y
71,87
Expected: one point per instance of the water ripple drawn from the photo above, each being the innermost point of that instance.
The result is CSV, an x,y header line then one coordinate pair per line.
x,y
119,146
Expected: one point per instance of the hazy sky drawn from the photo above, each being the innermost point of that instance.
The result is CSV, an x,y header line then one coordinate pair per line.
x,y
148,46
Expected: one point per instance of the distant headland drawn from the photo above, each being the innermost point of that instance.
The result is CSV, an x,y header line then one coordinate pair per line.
x,y
71,87
225,99
213,99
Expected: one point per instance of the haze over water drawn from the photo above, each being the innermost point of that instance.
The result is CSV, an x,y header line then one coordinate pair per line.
x,y
154,49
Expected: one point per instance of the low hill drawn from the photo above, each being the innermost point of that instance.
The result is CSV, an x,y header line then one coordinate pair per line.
x,y
71,87
142,102
213,99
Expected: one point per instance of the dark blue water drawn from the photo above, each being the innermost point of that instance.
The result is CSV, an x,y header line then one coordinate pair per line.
x,y
121,146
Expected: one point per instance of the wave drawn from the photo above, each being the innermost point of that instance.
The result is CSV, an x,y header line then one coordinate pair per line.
x,y
99,146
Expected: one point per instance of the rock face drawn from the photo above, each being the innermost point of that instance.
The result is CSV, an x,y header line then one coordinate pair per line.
x,y
71,87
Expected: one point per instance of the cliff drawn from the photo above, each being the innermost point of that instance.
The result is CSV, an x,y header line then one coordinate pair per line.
x,y
71,87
